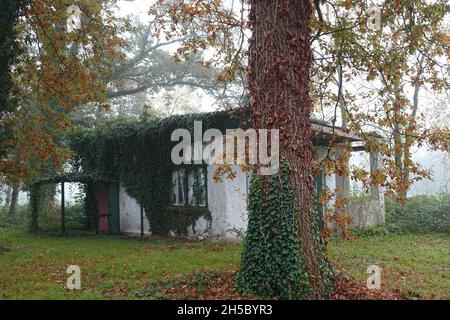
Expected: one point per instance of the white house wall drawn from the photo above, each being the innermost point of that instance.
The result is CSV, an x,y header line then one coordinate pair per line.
x,y
217,203
236,201
200,228
227,202
329,180
130,214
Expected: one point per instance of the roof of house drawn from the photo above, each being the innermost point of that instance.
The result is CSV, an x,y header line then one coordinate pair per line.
x,y
323,132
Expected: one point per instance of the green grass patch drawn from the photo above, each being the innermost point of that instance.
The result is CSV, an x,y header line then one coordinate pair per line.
x,y
111,267
417,265
34,267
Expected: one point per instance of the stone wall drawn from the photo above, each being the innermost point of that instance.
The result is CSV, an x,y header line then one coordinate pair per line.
x,y
227,202
366,213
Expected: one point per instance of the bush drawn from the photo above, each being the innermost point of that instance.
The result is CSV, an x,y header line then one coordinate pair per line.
x,y
420,214
49,218
19,220
49,215
379,231
76,217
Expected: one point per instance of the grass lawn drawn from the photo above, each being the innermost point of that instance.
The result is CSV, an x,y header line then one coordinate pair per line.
x,y
113,267
417,265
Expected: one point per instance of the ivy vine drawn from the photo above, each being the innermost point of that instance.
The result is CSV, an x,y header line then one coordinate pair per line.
x,y
272,263
138,154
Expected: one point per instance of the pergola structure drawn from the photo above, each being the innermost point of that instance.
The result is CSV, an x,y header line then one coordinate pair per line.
x,y
59,179
367,213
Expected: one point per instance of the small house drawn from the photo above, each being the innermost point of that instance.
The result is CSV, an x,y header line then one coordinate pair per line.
x,y
152,195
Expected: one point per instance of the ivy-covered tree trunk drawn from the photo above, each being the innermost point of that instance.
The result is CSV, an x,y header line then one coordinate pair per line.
x,y
280,59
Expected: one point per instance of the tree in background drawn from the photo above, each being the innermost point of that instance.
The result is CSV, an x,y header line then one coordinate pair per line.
x,y
373,59
10,11
150,67
10,48
60,69
150,76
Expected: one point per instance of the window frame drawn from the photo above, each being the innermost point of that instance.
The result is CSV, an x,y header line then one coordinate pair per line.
x,y
178,185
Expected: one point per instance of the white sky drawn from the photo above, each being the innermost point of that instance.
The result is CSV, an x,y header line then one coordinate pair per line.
x,y
135,7
140,9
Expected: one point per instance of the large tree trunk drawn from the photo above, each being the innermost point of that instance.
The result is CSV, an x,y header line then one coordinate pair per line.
x,y
8,197
280,59
14,199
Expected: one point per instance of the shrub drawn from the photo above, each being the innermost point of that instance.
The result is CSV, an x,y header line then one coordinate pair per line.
x,y
49,218
17,221
76,217
379,231
420,214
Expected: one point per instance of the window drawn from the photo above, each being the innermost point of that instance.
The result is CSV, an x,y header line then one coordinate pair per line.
x,y
177,187
190,190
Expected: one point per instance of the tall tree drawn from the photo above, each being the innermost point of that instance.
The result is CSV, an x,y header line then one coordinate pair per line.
x,y
386,52
280,60
283,253
10,11
60,69
10,48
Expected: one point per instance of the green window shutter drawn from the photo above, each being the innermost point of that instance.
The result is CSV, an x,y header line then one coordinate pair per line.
x,y
113,208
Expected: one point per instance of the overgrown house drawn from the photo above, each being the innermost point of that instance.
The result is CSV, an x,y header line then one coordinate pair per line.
x,y
144,192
